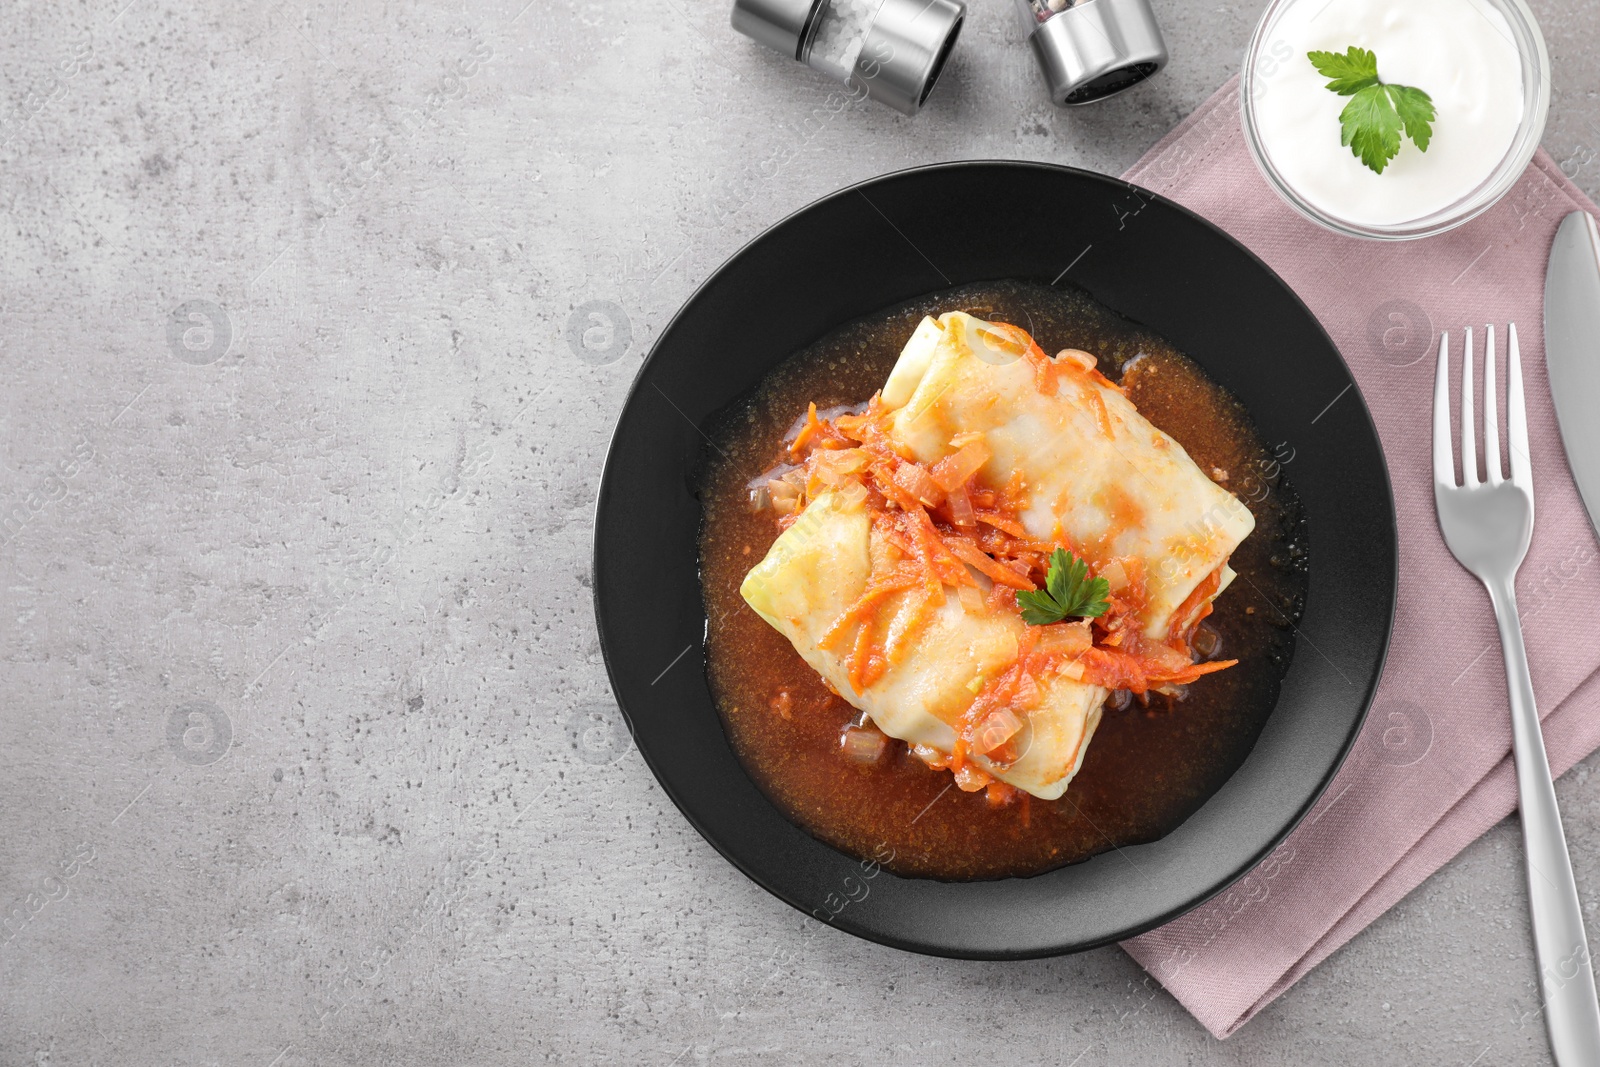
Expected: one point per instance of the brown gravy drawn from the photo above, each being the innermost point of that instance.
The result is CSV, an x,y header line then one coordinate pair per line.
x,y
1147,768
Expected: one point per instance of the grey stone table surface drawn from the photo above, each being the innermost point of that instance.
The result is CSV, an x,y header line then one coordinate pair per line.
x,y
307,754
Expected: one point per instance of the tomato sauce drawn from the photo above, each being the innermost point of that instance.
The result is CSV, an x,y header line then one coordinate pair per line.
x,y
1148,767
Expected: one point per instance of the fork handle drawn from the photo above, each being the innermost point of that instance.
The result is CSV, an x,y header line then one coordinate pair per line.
x,y
1566,979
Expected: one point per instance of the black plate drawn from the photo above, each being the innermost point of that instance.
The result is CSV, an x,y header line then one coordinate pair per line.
x,y
885,242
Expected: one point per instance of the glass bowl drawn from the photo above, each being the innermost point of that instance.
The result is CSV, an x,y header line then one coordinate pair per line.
x,y
1260,64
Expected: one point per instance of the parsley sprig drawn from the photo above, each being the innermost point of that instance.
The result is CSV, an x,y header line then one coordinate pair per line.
x,y
1069,593
1371,122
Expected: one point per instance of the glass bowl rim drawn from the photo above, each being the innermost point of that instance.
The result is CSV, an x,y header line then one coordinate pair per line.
x,y
1505,174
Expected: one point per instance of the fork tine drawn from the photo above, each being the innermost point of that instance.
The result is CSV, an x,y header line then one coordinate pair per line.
x,y
1444,460
1469,428
1491,413
1517,416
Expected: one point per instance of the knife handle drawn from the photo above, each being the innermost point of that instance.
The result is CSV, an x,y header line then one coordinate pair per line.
x,y
1566,978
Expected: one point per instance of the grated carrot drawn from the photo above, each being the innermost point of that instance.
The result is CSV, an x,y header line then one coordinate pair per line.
x,y
809,430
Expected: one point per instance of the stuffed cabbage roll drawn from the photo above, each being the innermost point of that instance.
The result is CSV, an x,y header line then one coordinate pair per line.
x,y
820,567
1087,467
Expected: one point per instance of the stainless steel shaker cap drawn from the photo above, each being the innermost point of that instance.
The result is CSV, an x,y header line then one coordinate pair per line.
x,y
1092,49
781,24
892,50
905,50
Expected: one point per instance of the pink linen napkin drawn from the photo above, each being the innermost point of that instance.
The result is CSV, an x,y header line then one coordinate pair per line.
x,y
1432,770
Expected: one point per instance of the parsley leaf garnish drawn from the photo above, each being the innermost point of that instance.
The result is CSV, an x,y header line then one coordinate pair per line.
x,y
1371,122
1351,72
1069,593
1416,111
1371,128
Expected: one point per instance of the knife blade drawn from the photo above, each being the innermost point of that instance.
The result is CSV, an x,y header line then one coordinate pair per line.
x,y
1572,349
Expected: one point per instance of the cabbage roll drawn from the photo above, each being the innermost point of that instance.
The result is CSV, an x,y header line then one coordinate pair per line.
x,y
1093,472
819,567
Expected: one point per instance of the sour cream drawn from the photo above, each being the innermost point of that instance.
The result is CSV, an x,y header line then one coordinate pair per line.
x,y
1460,52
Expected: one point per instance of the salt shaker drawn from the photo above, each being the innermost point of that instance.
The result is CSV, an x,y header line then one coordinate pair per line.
x,y
1092,49
892,50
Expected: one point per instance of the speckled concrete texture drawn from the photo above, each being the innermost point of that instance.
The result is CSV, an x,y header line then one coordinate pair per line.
x,y
315,321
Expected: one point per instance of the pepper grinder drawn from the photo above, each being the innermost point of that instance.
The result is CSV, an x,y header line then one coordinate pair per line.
x,y
1092,49
893,50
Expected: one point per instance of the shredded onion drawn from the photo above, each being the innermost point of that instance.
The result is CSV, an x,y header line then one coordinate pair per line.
x,y
852,493
783,496
972,601
915,480
953,471
1065,639
970,779
960,504
833,467
1000,726
863,744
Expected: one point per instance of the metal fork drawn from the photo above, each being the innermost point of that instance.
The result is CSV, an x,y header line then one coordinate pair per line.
x,y
1488,525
